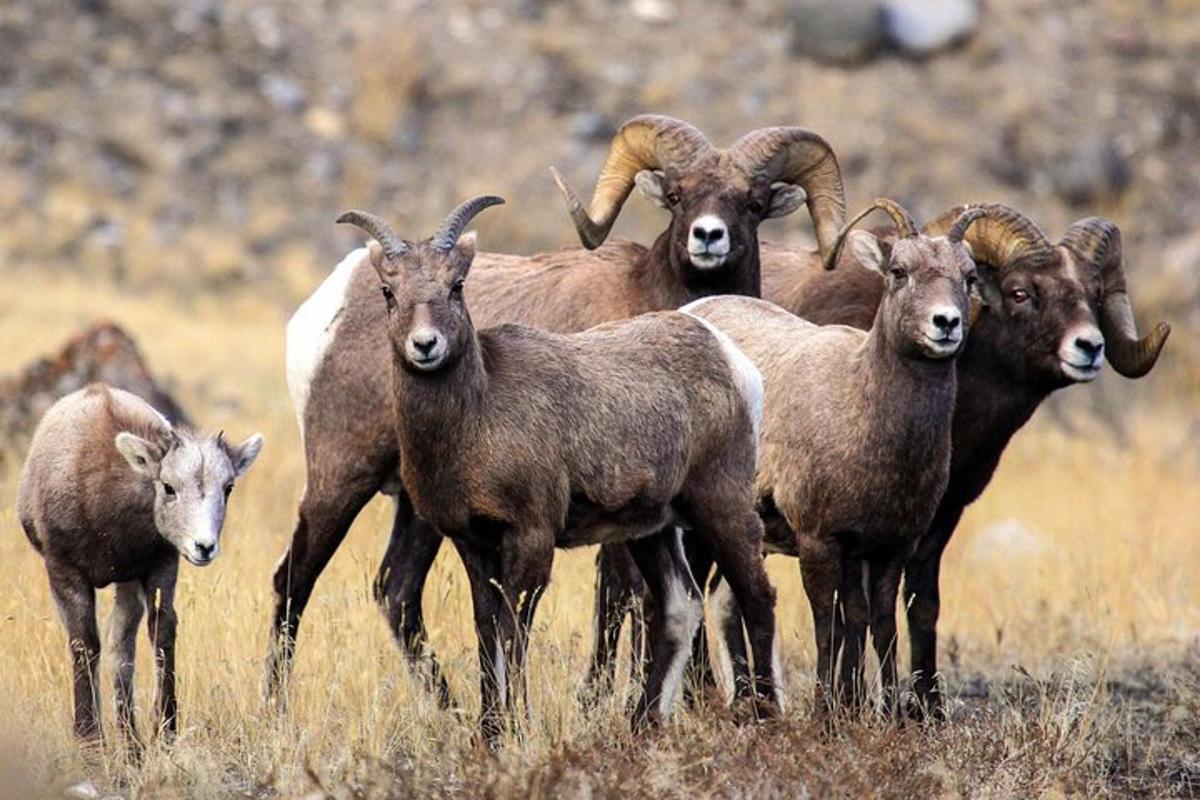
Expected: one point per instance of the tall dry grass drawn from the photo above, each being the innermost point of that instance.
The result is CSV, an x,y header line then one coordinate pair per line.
x,y
1080,565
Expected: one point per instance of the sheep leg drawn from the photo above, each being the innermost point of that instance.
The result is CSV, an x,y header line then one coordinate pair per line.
x,y
526,558
618,590
736,546
158,589
122,637
398,591
885,583
328,508
483,572
855,613
729,622
676,614
821,573
922,602
700,681
76,601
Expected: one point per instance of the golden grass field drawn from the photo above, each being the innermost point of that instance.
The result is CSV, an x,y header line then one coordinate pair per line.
x,y
1071,595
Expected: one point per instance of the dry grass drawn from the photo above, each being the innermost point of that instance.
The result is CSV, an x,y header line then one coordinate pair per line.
x,y
1079,565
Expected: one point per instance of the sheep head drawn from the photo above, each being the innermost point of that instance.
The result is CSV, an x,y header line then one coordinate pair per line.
x,y
422,285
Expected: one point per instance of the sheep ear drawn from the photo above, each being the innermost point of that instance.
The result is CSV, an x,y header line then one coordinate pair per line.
x,y
866,249
143,457
466,245
243,455
785,199
652,184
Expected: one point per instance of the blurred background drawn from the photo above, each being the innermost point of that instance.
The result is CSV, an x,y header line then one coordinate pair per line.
x,y
175,167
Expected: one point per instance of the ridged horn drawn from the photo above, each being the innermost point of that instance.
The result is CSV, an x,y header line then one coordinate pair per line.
x,y
968,217
999,239
457,220
393,245
901,218
802,158
649,141
1098,242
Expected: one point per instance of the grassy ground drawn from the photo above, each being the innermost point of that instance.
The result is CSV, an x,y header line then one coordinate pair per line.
x,y
1069,629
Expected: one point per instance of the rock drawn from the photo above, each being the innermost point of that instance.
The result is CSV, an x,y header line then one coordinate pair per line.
x,y
101,353
1092,169
838,31
921,27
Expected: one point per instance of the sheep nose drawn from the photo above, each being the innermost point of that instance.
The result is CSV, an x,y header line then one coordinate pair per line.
x,y
204,551
424,342
946,321
708,235
1089,346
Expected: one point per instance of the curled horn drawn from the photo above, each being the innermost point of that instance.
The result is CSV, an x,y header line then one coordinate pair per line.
x,y
999,239
393,245
1098,241
800,157
645,142
458,219
903,221
964,221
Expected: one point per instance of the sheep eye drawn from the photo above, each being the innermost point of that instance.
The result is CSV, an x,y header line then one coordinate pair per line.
x,y
168,490
457,289
673,198
1019,295
900,276
756,207
228,489
388,296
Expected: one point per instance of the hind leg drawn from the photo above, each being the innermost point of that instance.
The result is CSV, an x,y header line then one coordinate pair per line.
x,y
885,584
676,615
327,509
619,589
122,638
728,619
700,682
398,589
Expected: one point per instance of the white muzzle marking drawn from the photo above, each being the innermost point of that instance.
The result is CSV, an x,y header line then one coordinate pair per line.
x,y
942,331
425,348
708,241
1081,354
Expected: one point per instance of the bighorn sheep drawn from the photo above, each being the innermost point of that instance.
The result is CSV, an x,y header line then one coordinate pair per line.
x,y
112,493
1050,314
515,441
339,374
845,413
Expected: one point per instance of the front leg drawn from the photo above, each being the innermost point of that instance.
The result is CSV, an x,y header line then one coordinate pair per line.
x,y
922,602
885,583
76,601
122,638
158,588
483,573
526,559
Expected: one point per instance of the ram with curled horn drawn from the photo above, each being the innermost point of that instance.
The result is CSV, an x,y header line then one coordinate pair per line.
x,y
337,348
1051,314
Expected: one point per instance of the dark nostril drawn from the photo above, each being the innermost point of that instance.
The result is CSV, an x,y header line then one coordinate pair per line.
x,y
204,549
700,233
715,236
1089,346
946,322
424,345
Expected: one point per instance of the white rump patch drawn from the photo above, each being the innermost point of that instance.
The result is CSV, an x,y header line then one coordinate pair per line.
x,y
311,330
746,376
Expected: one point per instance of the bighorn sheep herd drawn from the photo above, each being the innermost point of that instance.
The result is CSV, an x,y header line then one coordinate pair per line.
x,y
691,407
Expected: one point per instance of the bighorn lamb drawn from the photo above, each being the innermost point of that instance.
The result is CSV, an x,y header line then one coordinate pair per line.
x,y
515,441
113,493
339,374
855,450
1050,314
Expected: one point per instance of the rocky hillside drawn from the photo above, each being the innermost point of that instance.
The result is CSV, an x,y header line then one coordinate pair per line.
x,y
207,144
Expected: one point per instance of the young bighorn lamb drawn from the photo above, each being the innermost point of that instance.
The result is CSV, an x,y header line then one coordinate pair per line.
x,y
515,441
339,374
1050,313
855,449
112,493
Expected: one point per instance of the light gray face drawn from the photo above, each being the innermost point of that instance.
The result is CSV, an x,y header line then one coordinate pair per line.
x,y
192,483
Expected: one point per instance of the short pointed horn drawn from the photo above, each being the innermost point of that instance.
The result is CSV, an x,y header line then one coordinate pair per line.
x,y
457,220
903,221
1098,242
999,239
393,245
800,157
649,141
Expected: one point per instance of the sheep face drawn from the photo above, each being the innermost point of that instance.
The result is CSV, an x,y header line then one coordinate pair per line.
x,y
428,322
192,477
1043,314
716,210
927,294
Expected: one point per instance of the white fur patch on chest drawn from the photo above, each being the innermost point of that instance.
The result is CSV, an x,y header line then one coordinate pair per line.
x,y
311,329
